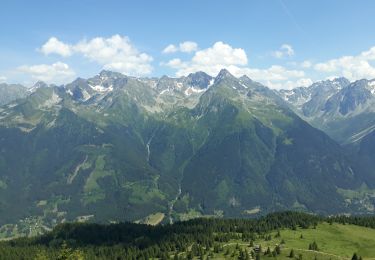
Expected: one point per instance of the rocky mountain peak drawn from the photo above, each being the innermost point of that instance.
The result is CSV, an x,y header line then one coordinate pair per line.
x,y
224,74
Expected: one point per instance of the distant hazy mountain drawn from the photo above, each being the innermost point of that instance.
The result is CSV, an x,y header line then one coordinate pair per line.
x,y
114,147
343,110
346,112
311,100
9,93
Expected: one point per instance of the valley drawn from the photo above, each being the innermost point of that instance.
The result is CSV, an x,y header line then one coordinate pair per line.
x,y
119,148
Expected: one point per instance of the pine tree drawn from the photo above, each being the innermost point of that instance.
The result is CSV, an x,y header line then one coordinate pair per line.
x,y
65,252
41,255
189,255
314,246
355,257
278,249
252,253
247,257
291,254
77,255
242,255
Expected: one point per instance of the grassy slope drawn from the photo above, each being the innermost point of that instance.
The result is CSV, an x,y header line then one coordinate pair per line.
x,y
153,219
335,241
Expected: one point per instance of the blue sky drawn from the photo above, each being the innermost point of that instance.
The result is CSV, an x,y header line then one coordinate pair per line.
x,y
280,43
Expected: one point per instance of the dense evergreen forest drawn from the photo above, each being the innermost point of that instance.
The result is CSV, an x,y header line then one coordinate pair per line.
x,y
197,238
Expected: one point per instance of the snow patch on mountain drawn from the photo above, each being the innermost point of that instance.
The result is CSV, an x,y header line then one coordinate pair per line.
x,y
243,85
193,90
101,89
292,96
371,86
86,95
164,91
69,92
336,84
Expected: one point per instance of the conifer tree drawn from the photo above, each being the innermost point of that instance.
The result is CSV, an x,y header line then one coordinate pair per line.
x,y
291,254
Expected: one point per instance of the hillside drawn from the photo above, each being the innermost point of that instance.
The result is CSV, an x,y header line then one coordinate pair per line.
x,y
308,236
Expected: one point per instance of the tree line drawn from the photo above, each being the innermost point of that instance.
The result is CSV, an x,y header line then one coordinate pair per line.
x,y
181,240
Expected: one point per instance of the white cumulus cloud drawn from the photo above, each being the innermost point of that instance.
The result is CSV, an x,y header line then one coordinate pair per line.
x,y
187,47
57,73
285,50
290,84
306,64
210,60
171,48
114,53
53,45
276,77
221,55
3,79
351,67
273,73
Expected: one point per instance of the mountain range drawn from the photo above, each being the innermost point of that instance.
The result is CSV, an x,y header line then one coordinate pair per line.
x,y
342,109
119,148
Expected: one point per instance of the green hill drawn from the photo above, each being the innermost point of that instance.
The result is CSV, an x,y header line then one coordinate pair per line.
x,y
334,241
273,236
